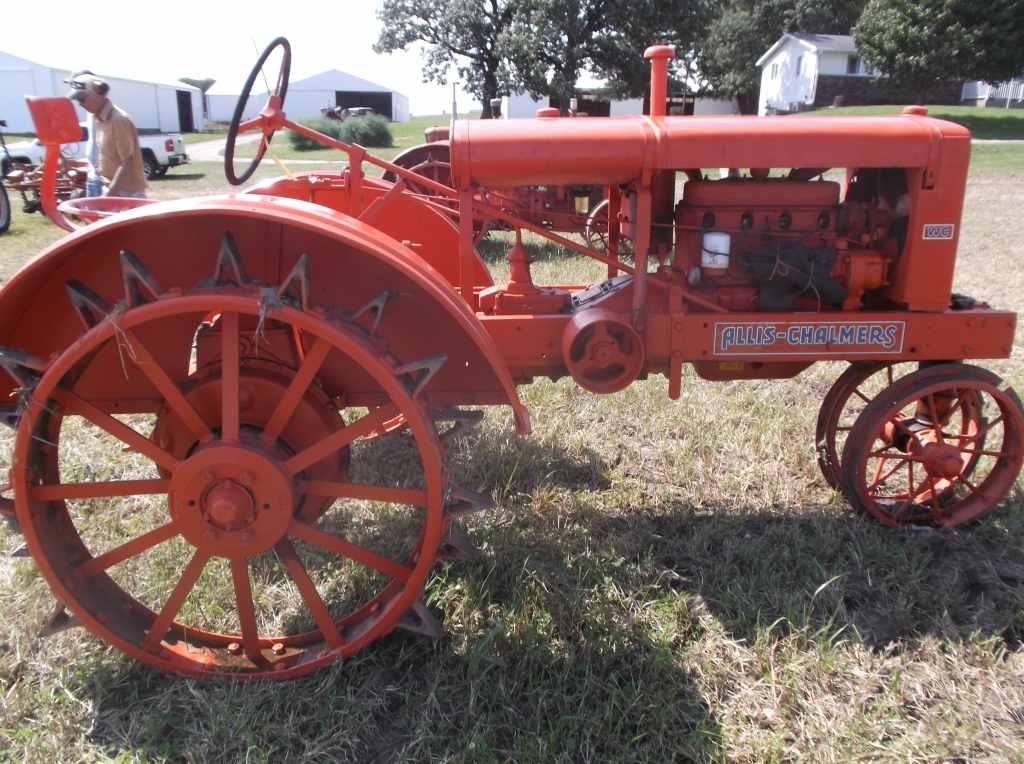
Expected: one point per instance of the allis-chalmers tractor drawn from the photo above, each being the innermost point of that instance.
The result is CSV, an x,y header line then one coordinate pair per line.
x,y
282,369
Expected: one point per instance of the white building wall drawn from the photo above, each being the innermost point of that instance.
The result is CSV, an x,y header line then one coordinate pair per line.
x,y
831,62
715,106
14,86
167,110
781,85
628,107
399,107
222,106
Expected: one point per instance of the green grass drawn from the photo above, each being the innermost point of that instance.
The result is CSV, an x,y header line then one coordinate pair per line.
x,y
990,123
206,135
659,581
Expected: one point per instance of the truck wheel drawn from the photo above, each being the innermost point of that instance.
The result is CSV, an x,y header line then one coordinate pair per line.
x,y
5,210
150,166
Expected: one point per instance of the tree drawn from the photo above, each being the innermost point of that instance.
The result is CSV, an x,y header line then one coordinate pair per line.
x,y
467,34
742,30
551,41
928,42
634,26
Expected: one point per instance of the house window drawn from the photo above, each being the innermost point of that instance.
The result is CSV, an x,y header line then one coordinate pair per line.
x,y
799,65
853,65
775,71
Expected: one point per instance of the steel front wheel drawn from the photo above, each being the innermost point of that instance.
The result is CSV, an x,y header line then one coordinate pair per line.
x,y
253,532
942,446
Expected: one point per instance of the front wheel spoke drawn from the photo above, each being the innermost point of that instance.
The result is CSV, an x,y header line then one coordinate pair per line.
x,y
859,394
103,490
937,423
246,610
412,496
296,389
184,587
155,373
132,548
983,432
970,486
290,559
338,440
229,392
345,548
75,405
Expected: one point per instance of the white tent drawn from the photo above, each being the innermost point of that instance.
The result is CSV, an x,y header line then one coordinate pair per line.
x,y
307,96
168,107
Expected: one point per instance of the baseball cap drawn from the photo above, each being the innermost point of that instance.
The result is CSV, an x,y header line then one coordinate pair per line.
x,y
85,80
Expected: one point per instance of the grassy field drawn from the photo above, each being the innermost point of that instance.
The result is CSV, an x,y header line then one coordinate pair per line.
x,y
659,581
983,123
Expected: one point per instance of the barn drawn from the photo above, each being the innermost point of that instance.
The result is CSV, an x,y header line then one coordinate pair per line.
x,y
307,96
167,107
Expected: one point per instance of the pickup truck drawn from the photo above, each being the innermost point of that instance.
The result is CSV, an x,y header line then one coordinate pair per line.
x,y
160,152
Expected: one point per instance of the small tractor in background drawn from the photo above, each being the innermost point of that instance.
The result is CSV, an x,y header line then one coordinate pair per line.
x,y
577,209
278,374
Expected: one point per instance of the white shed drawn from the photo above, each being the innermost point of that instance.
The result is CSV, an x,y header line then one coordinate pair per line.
x,y
307,96
168,107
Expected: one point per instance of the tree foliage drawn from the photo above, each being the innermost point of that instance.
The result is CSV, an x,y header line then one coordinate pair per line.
x,y
466,34
742,30
927,42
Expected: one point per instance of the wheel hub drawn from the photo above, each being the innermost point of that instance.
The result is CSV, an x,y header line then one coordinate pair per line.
x,y
942,460
232,500
228,506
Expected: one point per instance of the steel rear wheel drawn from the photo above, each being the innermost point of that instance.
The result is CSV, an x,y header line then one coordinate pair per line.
x,y
942,446
232,502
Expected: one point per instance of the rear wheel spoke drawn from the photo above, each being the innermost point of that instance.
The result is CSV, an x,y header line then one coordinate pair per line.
x,y
229,365
246,610
345,548
290,559
75,405
132,548
155,373
186,583
412,496
101,490
296,389
338,440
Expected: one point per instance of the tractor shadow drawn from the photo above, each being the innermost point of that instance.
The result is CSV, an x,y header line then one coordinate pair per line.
x,y
568,638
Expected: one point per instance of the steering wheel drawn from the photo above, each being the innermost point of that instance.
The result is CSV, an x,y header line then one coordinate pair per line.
x,y
269,118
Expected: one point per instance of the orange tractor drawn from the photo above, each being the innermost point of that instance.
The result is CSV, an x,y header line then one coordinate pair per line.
x,y
281,370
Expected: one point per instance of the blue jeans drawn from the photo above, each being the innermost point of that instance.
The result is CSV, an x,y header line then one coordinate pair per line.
x,y
133,194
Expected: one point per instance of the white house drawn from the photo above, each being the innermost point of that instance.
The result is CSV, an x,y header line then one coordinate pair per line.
x,y
307,96
157,106
792,67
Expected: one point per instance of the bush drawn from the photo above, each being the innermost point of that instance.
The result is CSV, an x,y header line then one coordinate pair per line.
x,y
371,131
326,126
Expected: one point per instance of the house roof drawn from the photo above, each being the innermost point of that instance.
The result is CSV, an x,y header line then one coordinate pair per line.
x,y
332,79
833,43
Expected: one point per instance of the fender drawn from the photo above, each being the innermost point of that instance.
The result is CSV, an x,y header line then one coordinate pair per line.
x,y
431,235
350,263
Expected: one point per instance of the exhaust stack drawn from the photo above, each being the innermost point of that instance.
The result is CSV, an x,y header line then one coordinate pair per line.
x,y
659,56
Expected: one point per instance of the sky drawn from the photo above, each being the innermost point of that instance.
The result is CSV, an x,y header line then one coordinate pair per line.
x,y
187,38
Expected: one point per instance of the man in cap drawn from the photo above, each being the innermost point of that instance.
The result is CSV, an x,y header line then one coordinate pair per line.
x,y
120,160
